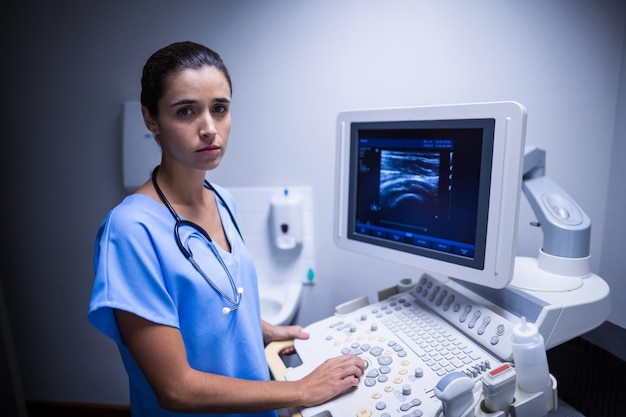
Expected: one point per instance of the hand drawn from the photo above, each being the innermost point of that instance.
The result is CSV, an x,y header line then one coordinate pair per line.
x,y
331,378
272,333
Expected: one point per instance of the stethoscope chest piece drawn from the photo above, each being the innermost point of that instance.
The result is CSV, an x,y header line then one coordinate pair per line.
x,y
227,310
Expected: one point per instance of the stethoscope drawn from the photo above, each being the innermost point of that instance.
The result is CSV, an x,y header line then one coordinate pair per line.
x,y
237,291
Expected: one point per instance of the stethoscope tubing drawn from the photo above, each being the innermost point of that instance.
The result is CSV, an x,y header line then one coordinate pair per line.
x,y
236,301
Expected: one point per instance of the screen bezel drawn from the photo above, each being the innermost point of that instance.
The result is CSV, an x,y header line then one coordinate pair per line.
x,y
500,188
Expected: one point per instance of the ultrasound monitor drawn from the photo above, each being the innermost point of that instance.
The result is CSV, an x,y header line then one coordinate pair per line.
x,y
434,187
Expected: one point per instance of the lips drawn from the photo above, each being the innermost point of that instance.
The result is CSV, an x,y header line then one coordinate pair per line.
x,y
209,150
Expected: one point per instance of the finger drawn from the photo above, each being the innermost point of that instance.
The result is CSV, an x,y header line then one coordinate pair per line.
x,y
358,361
351,381
355,368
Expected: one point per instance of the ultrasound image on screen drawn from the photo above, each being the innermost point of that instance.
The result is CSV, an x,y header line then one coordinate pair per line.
x,y
419,189
409,186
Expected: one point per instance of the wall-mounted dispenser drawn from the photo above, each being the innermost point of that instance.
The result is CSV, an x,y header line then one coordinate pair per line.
x,y
286,220
281,273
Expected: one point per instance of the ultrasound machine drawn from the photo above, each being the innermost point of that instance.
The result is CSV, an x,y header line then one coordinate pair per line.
x,y
439,188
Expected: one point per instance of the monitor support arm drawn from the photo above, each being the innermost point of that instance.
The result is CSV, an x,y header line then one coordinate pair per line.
x,y
576,300
566,227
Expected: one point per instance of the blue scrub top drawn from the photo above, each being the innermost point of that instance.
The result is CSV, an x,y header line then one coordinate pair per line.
x,y
140,269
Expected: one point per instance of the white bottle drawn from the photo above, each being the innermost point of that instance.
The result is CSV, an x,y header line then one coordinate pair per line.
x,y
531,361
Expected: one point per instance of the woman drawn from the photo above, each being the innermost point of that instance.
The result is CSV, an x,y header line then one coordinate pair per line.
x,y
175,287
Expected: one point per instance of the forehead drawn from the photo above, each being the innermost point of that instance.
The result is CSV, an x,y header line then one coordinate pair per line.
x,y
197,82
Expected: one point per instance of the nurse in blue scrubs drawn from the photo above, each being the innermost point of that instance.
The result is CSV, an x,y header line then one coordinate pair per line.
x,y
175,287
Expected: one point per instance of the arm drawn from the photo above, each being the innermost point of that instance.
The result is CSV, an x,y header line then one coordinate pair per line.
x,y
179,387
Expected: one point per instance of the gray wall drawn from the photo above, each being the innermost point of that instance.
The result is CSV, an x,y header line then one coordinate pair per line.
x,y
69,65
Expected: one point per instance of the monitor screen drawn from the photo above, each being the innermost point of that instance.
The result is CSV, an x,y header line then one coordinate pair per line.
x,y
435,187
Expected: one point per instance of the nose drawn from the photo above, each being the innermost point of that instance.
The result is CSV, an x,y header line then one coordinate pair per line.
x,y
207,125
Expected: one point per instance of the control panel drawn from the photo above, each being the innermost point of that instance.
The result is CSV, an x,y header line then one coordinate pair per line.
x,y
407,349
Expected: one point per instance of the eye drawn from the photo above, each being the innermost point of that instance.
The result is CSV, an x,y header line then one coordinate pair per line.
x,y
220,108
184,111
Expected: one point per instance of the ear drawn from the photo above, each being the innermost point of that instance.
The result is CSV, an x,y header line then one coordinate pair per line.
x,y
149,120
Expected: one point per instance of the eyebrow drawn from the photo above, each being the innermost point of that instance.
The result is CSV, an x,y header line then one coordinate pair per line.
x,y
189,101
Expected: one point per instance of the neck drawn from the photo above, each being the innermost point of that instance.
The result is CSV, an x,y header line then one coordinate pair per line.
x,y
180,188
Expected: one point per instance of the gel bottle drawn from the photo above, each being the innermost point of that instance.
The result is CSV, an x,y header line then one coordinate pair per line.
x,y
531,361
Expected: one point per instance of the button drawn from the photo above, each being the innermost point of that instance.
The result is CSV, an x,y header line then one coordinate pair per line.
x,y
419,372
484,325
372,374
433,294
474,319
376,351
384,360
370,382
406,389
413,403
441,298
364,412
467,310
448,303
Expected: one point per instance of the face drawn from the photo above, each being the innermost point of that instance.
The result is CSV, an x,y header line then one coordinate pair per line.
x,y
194,118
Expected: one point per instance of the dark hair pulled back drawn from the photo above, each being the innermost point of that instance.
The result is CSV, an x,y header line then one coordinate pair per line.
x,y
170,60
